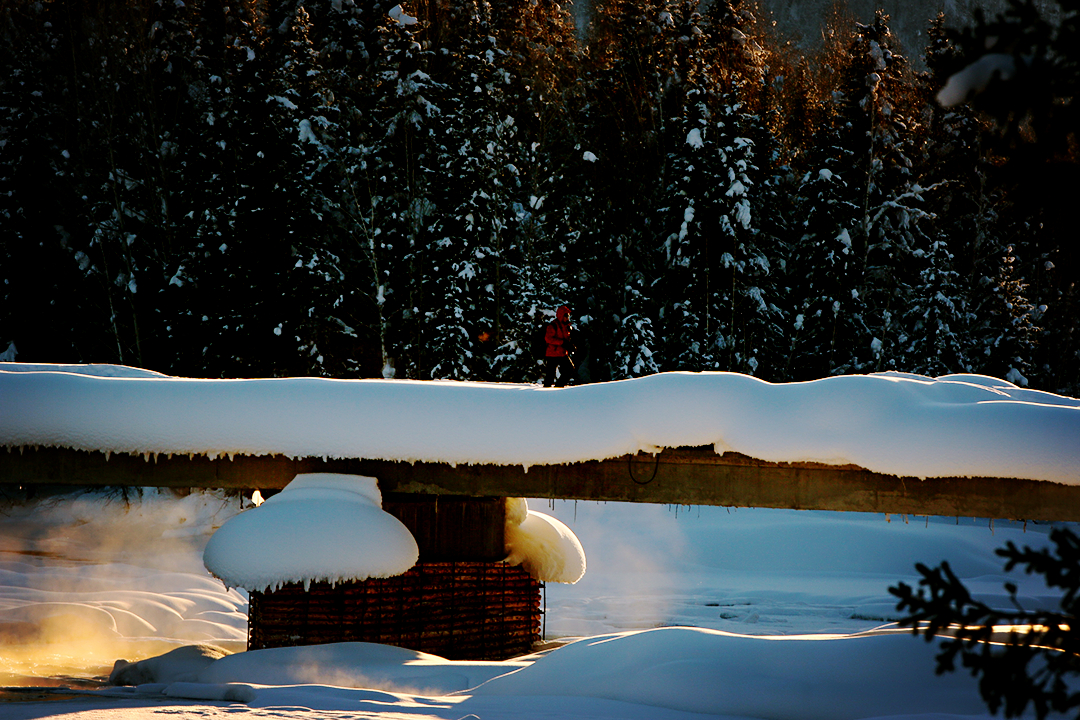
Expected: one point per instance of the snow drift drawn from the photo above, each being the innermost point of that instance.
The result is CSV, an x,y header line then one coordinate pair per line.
x,y
960,425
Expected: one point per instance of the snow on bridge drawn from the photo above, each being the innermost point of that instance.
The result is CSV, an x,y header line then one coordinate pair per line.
x,y
955,445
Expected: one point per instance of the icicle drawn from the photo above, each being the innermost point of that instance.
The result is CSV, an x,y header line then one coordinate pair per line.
x,y
146,456
108,454
231,455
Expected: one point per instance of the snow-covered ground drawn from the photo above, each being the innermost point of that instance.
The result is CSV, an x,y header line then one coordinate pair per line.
x,y
683,612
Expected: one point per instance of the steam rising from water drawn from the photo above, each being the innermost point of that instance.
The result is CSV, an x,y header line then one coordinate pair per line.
x,y
629,584
90,577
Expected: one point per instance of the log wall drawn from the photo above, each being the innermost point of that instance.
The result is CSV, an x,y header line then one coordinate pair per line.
x,y
465,610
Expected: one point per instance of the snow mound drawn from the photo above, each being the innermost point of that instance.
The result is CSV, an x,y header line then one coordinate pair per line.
x,y
354,664
546,548
321,527
180,665
716,673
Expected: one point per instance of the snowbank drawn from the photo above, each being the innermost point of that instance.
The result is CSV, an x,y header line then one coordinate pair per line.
x,y
321,527
653,673
716,673
891,423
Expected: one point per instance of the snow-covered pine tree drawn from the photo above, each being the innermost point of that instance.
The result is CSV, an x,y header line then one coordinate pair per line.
x,y
122,156
383,107
939,321
410,197
717,282
476,151
540,60
633,356
825,273
208,81
39,195
1006,333
688,283
882,129
689,209
631,67
345,41
231,287
751,255
1029,102
941,315
320,281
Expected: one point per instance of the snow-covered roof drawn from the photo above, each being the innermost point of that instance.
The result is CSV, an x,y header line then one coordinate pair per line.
x,y
958,425
321,527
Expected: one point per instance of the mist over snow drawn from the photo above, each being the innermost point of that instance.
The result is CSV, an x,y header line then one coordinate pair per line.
x,y
959,425
87,577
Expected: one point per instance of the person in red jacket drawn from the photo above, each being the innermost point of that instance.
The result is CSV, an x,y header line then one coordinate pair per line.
x,y
560,344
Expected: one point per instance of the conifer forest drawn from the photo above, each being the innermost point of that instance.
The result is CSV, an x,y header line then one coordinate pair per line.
x,y
341,188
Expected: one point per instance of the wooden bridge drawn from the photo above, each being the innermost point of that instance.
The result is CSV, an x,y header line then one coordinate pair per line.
x,y
682,476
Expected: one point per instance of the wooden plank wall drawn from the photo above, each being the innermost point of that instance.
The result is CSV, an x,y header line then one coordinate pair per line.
x,y
452,528
457,610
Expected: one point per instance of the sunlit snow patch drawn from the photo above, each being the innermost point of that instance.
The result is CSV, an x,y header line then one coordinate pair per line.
x,y
321,527
547,549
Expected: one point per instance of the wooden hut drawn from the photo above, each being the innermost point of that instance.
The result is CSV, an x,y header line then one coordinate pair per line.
x,y
459,601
